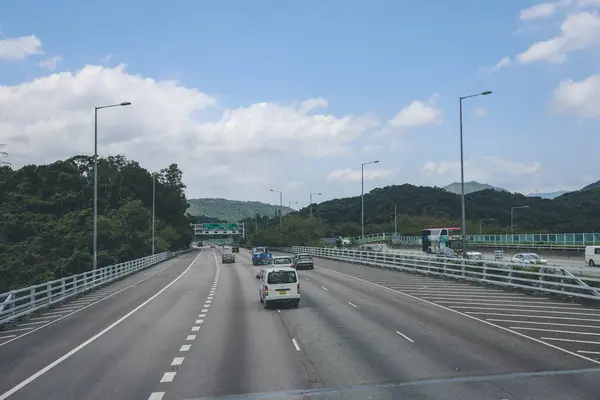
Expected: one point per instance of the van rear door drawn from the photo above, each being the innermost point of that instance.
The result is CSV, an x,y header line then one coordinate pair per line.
x,y
282,284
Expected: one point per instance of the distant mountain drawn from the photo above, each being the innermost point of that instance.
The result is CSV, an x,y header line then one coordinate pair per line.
x,y
471,187
594,185
231,210
550,195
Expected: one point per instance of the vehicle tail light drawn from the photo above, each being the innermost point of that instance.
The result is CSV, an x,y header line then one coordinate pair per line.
x,y
298,288
292,265
266,290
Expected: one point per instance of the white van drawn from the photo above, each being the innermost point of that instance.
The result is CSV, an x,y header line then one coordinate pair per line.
x,y
592,255
278,285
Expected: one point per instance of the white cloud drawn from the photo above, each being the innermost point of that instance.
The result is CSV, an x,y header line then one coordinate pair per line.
x,y
542,10
581,98
354,175
50,63
578,32
20,47
418,113
491,170
222,151
481,112
504,62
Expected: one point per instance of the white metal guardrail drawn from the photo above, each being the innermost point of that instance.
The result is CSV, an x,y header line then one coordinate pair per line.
x,y
548,279
550,241
20,302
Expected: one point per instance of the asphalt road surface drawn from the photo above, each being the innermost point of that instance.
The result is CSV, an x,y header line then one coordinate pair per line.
x,y
195,329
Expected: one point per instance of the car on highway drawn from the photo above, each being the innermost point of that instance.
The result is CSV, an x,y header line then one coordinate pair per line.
x,y
302,261
282,261
278,285
212,246
235,249
227,258
528,258
592,255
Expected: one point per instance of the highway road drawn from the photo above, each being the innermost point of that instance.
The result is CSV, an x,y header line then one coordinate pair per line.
x,y
194,329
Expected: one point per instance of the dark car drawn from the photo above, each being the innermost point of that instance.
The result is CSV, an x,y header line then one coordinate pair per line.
x,y
235,249
228,258
303,261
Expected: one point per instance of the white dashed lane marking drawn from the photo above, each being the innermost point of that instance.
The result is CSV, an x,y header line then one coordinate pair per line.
x,y
185,347
168,377
190,337
177,361
156,396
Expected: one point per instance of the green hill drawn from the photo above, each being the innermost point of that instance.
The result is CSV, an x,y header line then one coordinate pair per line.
x,y
420,206
232,210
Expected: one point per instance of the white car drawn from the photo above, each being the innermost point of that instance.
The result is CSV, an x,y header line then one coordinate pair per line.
x,y
282,261
278,285
528,258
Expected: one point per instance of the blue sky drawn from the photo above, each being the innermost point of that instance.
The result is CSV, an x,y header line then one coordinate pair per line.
x,y
368,59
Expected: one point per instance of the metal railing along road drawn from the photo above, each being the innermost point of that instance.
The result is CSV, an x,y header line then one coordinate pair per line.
x,y
533,240
547,279
20,302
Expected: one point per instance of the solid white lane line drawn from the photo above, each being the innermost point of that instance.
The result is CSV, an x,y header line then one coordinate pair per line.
x,y
47,368
168,376
296,345
278,310
7,337
199,321
34,323
512,321
306,279
177,361
405,337
535,316
524,305
195,328
190,337
17,330
571,340
91,304
353,305
44,317
185,347
324,288
201,315
530,310
589,352
468,316
156,396
555,331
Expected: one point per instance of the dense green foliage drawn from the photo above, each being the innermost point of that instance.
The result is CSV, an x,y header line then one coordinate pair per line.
x,y
296,231
232,210
421,207
46,217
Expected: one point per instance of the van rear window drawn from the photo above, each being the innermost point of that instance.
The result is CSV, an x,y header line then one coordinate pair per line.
x,y
281,277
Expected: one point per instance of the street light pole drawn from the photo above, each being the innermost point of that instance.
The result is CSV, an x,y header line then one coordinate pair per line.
x,y
395,222
153,208
462,170
480,224
512,219
311,202
362,198
95,232
280,214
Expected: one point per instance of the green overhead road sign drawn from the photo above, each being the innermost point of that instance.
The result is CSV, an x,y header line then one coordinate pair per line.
x,y
220,227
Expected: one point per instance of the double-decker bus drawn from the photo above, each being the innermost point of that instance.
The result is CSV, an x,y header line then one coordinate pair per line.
x,y
434,239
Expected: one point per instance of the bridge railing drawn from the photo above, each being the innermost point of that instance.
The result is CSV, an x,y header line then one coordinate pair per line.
x,y
536,278
20,302
534,240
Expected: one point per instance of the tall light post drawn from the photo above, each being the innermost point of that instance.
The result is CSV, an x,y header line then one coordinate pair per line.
x,y
291,202
311,202
512,219
481,226
462,169
153,208
362,198
280,214
95,234
395,222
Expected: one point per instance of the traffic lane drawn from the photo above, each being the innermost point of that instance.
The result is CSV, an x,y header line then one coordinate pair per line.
x,y
439,344
566,324
241,347
24,357
41,318
127,359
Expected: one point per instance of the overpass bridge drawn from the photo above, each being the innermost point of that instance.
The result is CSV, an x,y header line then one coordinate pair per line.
x,y
370,325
